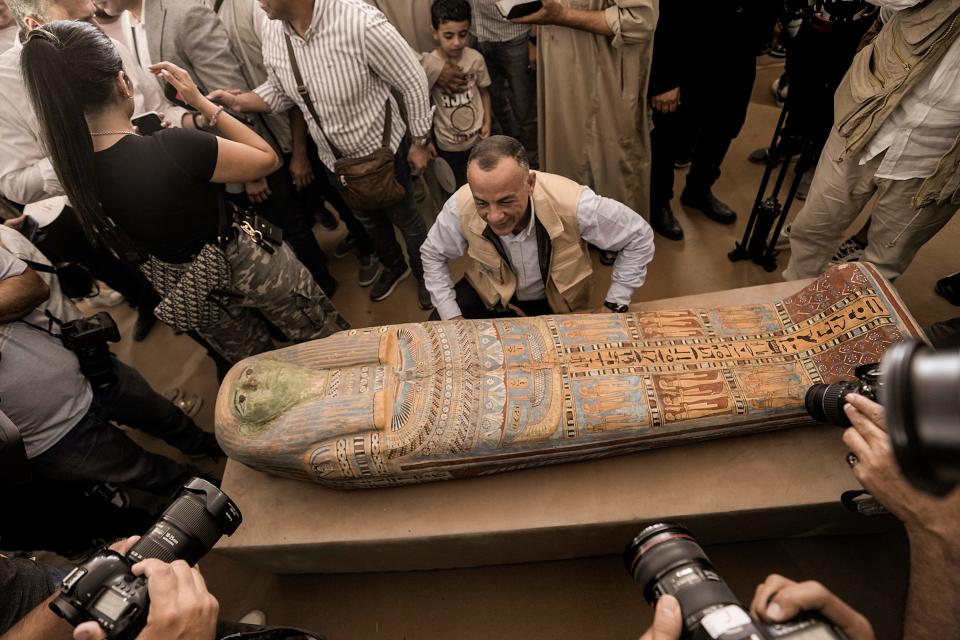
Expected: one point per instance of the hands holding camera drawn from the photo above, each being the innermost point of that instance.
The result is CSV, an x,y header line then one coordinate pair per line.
x,y
777,599
181,608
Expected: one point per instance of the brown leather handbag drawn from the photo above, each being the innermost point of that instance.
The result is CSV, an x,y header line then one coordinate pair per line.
x,y
368,182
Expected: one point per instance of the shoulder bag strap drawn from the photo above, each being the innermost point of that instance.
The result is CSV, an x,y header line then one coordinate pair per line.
x,y
305,95
387,123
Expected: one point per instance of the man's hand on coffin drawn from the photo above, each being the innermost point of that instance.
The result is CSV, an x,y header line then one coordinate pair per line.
x,y
667,624
779,599
878,472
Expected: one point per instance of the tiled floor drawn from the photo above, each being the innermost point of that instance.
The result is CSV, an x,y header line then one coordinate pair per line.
x,y
589,598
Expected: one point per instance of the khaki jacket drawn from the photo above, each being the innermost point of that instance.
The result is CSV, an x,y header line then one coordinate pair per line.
x,y
564,259
911,44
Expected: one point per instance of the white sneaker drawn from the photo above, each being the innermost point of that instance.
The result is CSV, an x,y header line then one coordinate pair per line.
x,y
106,297
255,617
779,95
850,251
783,240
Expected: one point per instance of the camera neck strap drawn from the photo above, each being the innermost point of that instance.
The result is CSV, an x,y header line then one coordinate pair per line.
x,y
51,320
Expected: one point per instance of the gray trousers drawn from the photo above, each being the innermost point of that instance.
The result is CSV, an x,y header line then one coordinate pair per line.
x,y
838,194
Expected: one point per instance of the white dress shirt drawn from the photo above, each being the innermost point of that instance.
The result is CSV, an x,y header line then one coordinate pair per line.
x,y
349,57
603,222
926,123
26,174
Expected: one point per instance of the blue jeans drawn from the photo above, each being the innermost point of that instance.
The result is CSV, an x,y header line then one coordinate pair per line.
x,y
513,90
379,223
96,451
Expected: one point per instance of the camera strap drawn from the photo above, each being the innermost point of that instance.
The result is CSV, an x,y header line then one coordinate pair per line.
x,y
51,320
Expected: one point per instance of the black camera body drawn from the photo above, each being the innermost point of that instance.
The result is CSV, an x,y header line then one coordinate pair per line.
x,y
88,338
104,589
664,559
824,402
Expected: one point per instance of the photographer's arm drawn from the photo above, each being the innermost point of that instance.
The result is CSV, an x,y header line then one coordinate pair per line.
x,y
40,624
43,624
933,524
242,155
21,294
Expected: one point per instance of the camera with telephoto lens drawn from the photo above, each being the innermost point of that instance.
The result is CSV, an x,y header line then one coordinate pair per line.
x,y
824,402
104,589
664,559
88,338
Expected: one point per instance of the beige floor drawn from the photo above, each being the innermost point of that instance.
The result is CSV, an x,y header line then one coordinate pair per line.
x,y
588,598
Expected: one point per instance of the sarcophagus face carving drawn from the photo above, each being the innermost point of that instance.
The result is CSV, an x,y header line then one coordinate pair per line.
x,y
429,401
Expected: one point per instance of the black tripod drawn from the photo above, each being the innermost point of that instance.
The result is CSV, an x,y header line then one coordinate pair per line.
x,y
758,243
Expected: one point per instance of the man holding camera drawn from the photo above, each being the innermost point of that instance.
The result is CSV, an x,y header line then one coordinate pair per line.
x,y
181,607
66,428
933,527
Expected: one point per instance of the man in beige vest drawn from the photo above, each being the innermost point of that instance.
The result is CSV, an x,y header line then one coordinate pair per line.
x,y
592,71
896,136
525,234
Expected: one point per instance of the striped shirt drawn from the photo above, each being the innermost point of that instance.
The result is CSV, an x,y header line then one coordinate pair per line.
x,y
489,26
349,58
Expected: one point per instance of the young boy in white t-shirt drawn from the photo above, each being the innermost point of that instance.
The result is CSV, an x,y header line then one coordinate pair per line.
x,y
462,119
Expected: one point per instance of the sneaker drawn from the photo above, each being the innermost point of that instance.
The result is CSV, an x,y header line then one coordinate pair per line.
x,y
423,297
110,494
778,51
189,403
850,251
370,270
779,91
783,240
345,247
255,617
326,219
804,187
683,163
106,297
387,282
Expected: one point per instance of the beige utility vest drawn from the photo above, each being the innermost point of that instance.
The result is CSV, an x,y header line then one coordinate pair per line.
x,y
562,252
907,48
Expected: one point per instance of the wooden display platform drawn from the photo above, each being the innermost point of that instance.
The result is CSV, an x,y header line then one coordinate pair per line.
x,y
773,484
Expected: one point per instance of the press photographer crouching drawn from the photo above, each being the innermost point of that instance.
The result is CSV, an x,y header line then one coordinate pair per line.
x,y
63,418
141,588
905,451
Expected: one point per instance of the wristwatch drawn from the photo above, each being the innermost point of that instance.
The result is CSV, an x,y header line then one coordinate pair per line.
x,y
421,141
616,308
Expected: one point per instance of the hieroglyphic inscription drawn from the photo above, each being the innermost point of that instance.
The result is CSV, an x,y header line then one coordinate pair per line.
x,y
422,402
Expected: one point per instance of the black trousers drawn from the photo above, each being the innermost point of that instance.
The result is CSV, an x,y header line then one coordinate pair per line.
x,y
713,111
96,451
472,306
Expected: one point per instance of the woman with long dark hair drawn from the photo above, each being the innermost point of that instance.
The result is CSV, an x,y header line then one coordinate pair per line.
x,y
157,195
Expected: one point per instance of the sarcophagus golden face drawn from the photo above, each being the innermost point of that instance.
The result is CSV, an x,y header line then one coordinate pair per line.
x,y
429,401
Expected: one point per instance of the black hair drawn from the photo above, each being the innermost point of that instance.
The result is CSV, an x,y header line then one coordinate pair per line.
x,y
449,11
70,69
488,152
